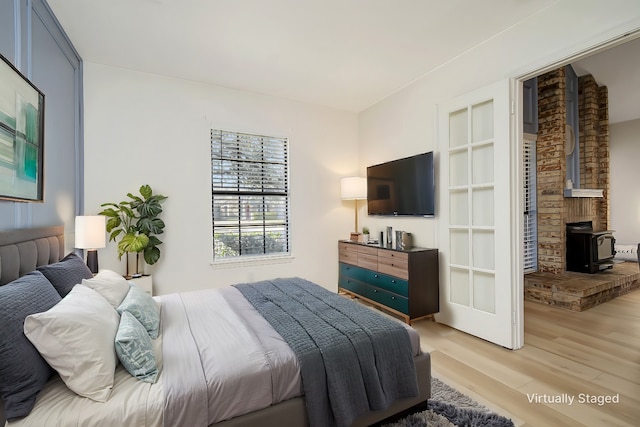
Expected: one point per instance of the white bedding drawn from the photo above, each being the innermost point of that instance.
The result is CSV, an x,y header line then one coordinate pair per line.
x,y
241,360
243,355
247,366
132,403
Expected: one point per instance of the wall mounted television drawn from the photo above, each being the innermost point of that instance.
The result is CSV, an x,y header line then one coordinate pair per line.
x,y
402,187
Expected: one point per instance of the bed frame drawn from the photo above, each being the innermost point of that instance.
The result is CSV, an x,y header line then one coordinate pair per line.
x,y
22,250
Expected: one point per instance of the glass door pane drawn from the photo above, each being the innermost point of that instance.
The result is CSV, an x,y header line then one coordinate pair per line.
x,y
471,197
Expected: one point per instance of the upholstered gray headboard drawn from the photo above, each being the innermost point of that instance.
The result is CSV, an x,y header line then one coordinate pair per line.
x,y
22,250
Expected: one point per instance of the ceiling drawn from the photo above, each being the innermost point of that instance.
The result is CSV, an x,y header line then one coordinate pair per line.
x,y
345,54
618,69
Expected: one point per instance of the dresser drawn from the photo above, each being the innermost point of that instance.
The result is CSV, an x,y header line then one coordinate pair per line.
x,y
405,283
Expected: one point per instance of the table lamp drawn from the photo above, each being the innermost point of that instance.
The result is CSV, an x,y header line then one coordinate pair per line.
x,y
91,235
354,188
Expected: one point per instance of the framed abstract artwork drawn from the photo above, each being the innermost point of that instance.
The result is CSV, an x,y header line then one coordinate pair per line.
x,y
21,136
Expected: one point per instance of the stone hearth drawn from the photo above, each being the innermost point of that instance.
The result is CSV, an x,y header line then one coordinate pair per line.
x,y
581,291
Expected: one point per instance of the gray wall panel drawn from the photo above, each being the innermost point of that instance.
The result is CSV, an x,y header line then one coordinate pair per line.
x,y
7,38
7,46
48,58
54,75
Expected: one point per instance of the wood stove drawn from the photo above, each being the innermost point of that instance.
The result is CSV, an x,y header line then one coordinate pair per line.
x,y
589,251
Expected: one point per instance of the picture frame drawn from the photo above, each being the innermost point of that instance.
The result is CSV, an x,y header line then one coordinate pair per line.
x,y
21,136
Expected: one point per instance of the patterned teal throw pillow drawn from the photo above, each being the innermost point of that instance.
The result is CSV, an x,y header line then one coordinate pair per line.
x,y
135,349
144,308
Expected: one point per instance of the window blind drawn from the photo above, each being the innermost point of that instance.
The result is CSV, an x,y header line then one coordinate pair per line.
x,y
530,238
250,194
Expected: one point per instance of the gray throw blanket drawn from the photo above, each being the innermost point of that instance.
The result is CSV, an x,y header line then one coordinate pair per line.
x,y
352,359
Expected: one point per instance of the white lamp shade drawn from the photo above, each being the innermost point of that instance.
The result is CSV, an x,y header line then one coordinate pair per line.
x,y
90,232
353,188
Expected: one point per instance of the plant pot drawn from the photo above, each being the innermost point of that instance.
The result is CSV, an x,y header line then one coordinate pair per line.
x,y
135,264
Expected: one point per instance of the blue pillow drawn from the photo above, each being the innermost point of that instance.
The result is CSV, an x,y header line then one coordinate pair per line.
x,y
66,273
135,349
23,372
144,308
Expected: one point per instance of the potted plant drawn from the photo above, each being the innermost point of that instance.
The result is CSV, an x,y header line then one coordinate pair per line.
x,y
136,222
365,234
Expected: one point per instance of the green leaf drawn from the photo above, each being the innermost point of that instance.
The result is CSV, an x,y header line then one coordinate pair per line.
x,y
159,197
151,226
146,191
151,255
109,212
110,204
113,223
127,211
150,208
133,243
116,233
154,241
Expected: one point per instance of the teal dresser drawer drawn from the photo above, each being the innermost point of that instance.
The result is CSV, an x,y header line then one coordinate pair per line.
x,y
353,285
353,272
389,283
389,299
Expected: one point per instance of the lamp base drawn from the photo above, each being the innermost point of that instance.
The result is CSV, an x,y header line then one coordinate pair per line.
x,y
92,260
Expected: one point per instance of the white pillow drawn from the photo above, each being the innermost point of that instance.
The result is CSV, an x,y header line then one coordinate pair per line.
x,y
627,252
76,337
111,285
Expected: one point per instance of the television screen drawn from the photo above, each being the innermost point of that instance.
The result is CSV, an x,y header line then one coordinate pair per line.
x,y
402,187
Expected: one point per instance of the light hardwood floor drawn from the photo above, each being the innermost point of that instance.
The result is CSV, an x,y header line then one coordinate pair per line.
x,y
566,354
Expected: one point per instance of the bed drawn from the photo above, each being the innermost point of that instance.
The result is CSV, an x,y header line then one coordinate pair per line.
x,y
226,357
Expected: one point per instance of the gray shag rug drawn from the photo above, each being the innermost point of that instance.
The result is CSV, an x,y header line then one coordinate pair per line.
x,y
450,408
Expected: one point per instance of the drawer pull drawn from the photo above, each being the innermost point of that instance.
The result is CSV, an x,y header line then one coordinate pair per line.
x,y
393,297
393,281
375,291
376,276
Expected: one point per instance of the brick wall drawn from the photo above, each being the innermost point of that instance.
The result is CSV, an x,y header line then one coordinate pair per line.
x,y
604,181
554,210
551,170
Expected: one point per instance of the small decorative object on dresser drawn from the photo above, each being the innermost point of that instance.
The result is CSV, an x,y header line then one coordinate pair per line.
x,y
365,234
404,241
403,282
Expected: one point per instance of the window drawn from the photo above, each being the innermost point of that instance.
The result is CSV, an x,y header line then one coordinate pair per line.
x,y
250,194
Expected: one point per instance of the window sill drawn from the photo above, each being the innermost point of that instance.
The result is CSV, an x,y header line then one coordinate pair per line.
x,y
249,261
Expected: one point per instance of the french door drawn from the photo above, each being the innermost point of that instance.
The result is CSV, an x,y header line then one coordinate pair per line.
x,y
479,267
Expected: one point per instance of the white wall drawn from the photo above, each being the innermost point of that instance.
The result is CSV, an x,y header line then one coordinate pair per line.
x,y
625,181
149,129
142,128
404,123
